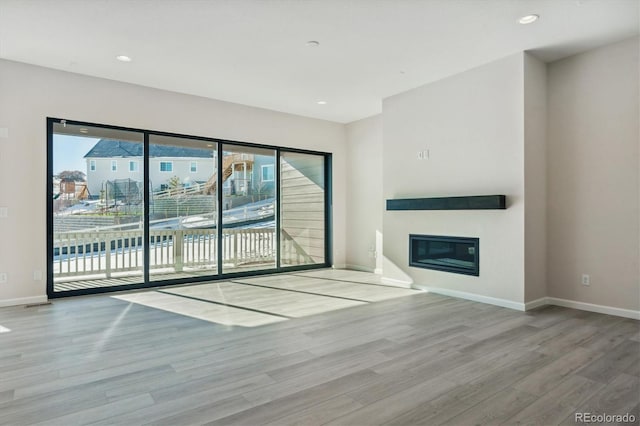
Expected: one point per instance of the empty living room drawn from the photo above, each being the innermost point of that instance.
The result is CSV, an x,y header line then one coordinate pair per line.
x,y
319,212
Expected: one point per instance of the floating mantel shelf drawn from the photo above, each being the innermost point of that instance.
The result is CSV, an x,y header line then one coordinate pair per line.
x,y
474,202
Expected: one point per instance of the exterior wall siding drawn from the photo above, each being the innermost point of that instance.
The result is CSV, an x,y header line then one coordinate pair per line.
x,y
181,168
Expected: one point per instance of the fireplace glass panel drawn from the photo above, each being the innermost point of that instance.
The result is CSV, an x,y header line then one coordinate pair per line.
x,y
451,254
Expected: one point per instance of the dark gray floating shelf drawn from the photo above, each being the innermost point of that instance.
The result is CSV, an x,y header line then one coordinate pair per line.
x,y
474,202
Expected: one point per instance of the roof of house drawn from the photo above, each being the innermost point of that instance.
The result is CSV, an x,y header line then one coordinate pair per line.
x,y
109,148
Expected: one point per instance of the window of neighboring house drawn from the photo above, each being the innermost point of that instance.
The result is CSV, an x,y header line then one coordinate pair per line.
x,y
268,173
166,166
134,166
193,167
114,165
92,165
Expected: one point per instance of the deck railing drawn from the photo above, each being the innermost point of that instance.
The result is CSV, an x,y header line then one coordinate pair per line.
x,y
107,252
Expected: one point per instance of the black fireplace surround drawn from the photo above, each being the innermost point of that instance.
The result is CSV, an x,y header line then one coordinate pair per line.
x,y
459,255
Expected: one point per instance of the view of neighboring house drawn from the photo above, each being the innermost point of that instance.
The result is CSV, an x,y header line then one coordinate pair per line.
x,y
111,160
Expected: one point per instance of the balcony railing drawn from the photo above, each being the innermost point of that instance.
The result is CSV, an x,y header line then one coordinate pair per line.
x,y
103,253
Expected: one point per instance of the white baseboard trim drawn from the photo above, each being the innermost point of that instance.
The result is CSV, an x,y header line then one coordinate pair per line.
x,y
359,268
339,266
475,297
23,301
543,301
601,309
396,283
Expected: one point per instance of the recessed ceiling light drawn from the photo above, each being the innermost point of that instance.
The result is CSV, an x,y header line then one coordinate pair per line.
x,y
528,19
321,102
123,58
313,43
84,130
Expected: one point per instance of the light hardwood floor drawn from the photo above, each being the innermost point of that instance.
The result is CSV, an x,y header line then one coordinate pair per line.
x,y
374,355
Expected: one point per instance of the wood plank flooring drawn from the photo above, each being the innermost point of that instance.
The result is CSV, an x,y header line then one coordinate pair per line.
x,y
250,302
382,358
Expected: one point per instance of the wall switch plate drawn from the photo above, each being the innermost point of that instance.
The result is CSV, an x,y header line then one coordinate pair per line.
x,y
586,279
4,212
37,275
3,278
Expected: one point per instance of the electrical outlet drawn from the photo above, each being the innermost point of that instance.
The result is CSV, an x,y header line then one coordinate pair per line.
x,y
3,277
586,279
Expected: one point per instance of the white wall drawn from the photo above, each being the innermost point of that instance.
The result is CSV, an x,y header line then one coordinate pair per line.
x,y
473,125
593,179
535,178
29,94
364,194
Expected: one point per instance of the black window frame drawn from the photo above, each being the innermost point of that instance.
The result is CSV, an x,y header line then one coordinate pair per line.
x,y
328,258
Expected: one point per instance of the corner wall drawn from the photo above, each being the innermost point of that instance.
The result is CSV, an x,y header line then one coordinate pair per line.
x,y
593,178
535,178
364,194
29,94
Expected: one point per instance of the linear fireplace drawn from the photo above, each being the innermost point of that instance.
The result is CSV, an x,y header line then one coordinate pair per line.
x,y
459,255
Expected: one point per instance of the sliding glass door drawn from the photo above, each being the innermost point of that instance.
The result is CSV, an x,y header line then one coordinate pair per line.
x,y
183,210
248,209
132,208
303,209
97,204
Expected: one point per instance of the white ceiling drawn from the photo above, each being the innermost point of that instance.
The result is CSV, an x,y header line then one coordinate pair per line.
x,y
254,52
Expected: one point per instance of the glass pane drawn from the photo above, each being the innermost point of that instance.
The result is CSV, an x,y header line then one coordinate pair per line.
x,y
98,207
182,208
302,208
452,254
248,207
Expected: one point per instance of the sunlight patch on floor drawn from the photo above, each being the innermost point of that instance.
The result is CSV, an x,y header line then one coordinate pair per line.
x,y
198,309
285,303
255,301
